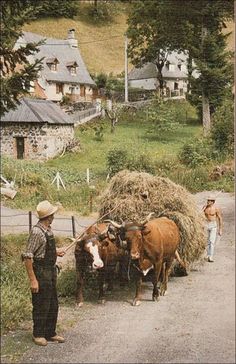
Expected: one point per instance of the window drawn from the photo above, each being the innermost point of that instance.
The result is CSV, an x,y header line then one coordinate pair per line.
x,y
176,86
72,90
59,88
170,67
73,70
52,63
53,66
72,67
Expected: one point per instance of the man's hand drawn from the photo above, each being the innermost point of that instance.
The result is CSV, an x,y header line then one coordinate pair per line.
x,y
34,286
61,252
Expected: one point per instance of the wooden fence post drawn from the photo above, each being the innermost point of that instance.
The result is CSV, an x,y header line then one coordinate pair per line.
x,y
73,226
30,220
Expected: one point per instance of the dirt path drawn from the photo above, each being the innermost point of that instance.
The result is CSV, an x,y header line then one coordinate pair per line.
x,y
194,323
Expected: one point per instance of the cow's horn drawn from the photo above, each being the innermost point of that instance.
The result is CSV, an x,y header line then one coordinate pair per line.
x,y
114,223
73,240
147,218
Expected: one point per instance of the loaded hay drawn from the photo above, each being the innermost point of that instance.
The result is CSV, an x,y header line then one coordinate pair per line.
x,y
136,194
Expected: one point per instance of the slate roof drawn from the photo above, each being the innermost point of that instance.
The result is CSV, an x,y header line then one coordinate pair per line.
x,y
64,53
149,69
37,111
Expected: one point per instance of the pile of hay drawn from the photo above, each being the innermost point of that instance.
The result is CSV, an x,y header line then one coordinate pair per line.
x,y
136,194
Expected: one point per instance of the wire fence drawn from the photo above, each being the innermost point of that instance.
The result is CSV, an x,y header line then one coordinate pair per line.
x,y
74,223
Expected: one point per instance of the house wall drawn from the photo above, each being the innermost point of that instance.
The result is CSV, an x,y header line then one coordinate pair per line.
x,y
51,94
181,84
42,141
151,83
146,83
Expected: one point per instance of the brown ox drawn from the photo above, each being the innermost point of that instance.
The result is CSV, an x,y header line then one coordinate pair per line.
x,y
154,244
96,249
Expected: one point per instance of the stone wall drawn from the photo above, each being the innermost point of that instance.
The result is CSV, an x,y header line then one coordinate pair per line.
x,y
41,141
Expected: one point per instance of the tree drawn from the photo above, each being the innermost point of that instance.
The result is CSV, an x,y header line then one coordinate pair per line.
x,y
192,26
207,46
199,25
149,36
113,115
102,10
58,8
16,71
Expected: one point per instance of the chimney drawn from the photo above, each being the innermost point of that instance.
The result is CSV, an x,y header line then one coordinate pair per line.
x,y
71,38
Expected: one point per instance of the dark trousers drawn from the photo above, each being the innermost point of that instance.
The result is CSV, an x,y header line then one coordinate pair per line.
x,y
45,302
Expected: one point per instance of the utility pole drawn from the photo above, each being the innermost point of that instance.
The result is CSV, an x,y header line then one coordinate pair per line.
x,y
126,69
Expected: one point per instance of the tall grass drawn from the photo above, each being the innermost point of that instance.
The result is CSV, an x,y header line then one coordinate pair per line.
x,y
15,293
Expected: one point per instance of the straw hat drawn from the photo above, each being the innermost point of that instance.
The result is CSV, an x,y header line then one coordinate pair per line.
x,y
45,208
211,198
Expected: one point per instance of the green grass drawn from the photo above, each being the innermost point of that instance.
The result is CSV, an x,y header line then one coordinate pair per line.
x,y
129,136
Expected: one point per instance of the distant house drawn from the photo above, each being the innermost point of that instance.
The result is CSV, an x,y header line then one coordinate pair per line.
x,y
36,129
174,74
64,72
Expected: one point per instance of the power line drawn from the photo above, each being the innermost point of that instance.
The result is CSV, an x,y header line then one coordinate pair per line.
x,y
63,44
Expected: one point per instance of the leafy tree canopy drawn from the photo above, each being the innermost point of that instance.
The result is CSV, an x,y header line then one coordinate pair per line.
x,y
16,71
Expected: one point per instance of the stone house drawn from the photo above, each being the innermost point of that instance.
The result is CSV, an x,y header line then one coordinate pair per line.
x,y
64,72
175,75
37,129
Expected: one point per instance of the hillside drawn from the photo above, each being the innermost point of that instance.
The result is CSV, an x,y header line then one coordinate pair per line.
x,y
101,46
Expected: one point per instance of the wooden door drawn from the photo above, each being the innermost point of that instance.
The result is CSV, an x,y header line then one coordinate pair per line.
x,y
20,147
82,90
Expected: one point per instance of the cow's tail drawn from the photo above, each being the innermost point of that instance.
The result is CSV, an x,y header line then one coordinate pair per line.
x,y
181,262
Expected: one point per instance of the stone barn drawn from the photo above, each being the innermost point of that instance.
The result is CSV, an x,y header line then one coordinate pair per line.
x,y
37,129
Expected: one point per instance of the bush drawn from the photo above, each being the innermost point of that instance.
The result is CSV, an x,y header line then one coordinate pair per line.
x,y
195,153
222,132
116,160
141,163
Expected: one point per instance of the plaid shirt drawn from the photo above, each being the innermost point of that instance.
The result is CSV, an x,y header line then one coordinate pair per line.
x,y
36,245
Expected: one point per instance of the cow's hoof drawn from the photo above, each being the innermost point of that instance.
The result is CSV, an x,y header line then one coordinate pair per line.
x,y
101,301
164,293
136,303
156,298
78,305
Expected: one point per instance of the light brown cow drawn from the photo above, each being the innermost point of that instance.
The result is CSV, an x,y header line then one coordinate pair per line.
x,y
154,244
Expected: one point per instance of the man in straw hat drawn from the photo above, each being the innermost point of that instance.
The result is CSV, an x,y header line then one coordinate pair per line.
x,y
214,218
40,261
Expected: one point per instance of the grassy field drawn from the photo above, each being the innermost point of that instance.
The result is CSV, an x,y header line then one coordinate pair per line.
x,y
128,136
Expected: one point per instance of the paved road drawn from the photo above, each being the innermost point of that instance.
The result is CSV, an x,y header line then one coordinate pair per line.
x,y
17,221
194,323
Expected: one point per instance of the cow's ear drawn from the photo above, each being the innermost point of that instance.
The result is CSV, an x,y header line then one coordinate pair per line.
x,y
146,231
81,243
